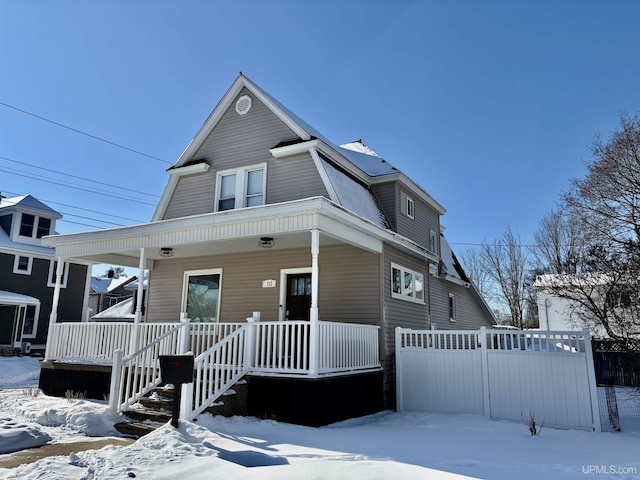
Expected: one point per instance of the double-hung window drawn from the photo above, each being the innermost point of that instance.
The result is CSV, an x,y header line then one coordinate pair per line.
x,y
53,268
22,265
242,187
407,284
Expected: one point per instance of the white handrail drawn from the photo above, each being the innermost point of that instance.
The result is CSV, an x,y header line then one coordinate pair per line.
x,y
347,346
139,372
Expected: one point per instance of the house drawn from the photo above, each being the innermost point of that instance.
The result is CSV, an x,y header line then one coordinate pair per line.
x,y
124,309
28,275
107,291
557,312
300,255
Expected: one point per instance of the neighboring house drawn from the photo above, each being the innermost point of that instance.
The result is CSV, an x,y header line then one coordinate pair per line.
x,y
332,245
28,275
105,292
123,310
556,312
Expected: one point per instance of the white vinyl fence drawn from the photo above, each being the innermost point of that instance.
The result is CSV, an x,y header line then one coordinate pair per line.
x,y
502,374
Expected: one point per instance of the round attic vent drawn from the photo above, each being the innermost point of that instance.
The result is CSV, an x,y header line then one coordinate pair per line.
x,y
243,105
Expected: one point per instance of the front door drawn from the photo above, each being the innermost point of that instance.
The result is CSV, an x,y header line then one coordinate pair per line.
x,y
298,298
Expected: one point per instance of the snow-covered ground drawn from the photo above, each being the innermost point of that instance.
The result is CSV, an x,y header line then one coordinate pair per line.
x,y
388,445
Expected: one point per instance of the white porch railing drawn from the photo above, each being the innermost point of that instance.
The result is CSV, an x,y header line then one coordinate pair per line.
x,y
347,346
282,347
97,342
133,376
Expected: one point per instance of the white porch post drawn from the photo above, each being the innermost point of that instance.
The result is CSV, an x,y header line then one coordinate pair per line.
x,y
313,335
53,316
137,317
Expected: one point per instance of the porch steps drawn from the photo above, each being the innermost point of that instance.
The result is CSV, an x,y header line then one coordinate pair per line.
x,y
155,409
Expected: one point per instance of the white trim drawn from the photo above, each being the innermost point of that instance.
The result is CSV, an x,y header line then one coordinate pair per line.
x,y
65,274
403,295
193,273
434,236
452,305
411,208
243,109
323,175
16,262
36,320
241,174
201,167
283,287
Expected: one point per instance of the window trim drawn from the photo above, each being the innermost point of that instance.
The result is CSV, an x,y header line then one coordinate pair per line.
x,y
16,263
403,295
411,208
433,237
52,274
242,175
36,320
453,309
195,273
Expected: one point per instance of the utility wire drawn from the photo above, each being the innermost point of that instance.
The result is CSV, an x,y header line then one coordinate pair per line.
x,y
84,133
77,177
110,195
76,207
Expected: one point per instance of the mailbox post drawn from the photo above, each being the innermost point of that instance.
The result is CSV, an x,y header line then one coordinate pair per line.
x,y
176,369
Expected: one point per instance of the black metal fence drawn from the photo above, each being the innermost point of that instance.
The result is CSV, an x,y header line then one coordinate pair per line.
x,y
615,366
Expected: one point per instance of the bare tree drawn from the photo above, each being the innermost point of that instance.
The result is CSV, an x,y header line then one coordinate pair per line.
x,y
559,244
606,205
474,268
506,263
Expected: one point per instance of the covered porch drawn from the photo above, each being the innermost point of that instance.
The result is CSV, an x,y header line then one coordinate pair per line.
x,y
274,342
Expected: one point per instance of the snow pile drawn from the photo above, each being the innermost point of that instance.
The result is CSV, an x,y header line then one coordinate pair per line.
x,y
16,436
388,445
19,372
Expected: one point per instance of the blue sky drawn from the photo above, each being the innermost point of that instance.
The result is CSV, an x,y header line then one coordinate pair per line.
x,y
491,106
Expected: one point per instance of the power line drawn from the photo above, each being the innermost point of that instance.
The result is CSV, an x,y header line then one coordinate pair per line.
x,y
76,176
84,133
78,208
110,195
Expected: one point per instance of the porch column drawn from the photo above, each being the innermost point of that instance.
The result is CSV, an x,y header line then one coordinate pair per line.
x,y
313,334
53,316
137,317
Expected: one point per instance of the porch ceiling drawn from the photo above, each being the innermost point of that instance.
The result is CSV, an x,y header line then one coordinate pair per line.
x,y
235,231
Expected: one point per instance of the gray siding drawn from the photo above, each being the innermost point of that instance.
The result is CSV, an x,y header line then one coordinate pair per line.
x,y
386,195
469,315
349,284
425,219
399,313
243,140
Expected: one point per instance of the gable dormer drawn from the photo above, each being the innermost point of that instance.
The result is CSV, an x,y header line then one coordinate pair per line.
x,y
26,220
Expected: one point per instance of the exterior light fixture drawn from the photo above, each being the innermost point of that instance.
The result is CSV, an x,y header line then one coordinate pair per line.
x,y
266,242
166,252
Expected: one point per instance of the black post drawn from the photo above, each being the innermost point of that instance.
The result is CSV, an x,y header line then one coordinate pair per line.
x,y
177,396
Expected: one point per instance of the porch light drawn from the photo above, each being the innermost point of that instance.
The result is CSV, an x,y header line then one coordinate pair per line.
x,y
266,242
166,252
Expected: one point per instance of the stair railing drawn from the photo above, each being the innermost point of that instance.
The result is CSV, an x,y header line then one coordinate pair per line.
x,y
133,376
218,369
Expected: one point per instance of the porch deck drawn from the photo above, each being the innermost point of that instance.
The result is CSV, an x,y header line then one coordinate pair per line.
x,y
224,353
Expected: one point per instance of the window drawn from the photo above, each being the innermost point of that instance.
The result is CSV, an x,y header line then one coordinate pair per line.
x,y
407,284
44,227
22,265
411,208
240,188
201,295
433,242
26,225
31,321
52,274
452,307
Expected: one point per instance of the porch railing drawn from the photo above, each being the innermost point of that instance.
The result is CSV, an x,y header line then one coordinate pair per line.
x,y
347,346
281,347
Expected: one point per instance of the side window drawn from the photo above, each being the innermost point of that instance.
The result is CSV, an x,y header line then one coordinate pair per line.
x,y
44,227
411,208
22,265
452,307
433,242
407,284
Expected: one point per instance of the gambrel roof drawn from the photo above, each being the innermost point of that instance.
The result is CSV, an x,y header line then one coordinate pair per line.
x,y
342,168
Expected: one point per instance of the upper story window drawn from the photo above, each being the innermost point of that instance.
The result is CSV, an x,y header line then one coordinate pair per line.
x,y
34,227
407,284
242,187
22,265
433,242
452,307
411,208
